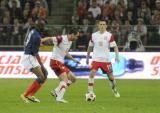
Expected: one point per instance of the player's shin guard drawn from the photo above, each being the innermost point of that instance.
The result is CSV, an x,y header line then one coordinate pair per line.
x,y
35,86
90,84
62,90
31,88
113,85
38,85
114,88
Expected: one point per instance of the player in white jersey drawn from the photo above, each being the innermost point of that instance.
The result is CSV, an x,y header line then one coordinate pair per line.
x,y
100,42
61,47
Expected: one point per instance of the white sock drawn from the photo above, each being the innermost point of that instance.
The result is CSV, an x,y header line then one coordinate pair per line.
x,y
90,84
58,87
61,90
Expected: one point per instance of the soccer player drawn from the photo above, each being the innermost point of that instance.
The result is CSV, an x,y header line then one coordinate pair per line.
x,y
61,47
31,61
100,42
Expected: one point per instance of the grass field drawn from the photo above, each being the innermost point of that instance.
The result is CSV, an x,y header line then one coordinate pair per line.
x,y
137,96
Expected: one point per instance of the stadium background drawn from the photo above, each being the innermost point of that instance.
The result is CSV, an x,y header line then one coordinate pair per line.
x,y
124,18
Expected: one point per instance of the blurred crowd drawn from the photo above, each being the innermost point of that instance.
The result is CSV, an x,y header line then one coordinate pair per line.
x,y
123,17
134,23
16,16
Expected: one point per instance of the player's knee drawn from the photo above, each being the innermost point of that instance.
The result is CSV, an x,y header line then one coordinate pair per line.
x,y
111,77
92,74
45,76
41,79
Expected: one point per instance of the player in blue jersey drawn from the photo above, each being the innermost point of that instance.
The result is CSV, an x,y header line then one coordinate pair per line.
x,y
31,61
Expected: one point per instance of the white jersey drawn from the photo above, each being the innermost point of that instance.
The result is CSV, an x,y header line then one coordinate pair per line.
x,y
61,45
101,43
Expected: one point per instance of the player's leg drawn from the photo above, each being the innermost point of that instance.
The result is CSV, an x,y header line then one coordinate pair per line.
x,y
31,63
112,82
71,78
55,66
107,68
94,68
60,90
36,85
91,80
41,78
61,71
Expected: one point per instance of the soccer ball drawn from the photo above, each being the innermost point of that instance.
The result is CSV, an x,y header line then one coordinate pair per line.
x,y
90,97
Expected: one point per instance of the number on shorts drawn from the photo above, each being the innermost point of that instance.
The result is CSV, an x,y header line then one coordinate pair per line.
x,y
109,67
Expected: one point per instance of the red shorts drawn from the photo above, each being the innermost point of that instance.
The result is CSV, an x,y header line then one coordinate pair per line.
x,y
106,67
58,67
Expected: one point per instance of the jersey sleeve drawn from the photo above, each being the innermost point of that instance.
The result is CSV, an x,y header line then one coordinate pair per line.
x,y
57,40
112,42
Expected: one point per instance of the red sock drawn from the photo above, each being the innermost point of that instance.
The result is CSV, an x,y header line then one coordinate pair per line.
x,y
35,85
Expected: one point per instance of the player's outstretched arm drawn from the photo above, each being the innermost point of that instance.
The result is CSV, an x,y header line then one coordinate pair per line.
x,y
116,50
47,39
70,57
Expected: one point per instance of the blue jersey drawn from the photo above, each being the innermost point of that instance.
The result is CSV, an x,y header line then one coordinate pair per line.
x,y
32,42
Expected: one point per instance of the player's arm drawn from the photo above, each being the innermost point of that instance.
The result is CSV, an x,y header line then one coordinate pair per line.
x,y
116,50
47,39
71,57
89,50
114,45
55,40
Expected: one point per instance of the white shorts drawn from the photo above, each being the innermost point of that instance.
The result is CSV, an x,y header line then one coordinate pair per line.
x,y
29,62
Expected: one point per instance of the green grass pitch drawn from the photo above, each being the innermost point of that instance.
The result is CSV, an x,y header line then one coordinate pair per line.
x,y
137,96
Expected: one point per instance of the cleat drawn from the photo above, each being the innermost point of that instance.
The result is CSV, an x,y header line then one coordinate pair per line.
x,y
33,99
116,94
53,93
25,99
61,101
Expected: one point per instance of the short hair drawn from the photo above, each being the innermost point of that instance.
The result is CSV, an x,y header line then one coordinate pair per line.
x,y
103,20
73,31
